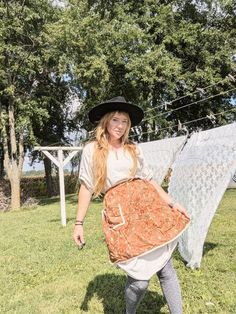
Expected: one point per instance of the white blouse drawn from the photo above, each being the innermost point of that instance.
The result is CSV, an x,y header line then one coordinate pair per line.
x,y
119,164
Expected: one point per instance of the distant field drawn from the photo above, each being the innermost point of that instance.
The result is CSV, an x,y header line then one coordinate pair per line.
x,y
43,272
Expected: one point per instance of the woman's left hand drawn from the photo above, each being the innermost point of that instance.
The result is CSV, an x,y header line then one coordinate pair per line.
x,y
181,209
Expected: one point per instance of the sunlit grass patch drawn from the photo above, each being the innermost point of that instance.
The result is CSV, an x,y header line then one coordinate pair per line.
x,y
43,272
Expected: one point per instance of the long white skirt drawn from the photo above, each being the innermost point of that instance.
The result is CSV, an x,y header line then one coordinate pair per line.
x,y
145,266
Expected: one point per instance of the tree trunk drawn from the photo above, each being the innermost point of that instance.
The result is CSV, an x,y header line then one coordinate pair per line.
x,y
1,162
48,175
13,156
15,190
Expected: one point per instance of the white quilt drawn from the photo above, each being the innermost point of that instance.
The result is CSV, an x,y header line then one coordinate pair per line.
x,y
201,174
160,155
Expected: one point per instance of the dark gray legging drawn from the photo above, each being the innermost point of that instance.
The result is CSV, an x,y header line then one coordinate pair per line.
x,y
135,290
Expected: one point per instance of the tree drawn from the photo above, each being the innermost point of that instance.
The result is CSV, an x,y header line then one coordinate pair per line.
x,y
54,129
153,52
23,27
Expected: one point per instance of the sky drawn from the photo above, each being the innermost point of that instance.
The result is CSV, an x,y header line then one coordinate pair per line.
x,y
36,166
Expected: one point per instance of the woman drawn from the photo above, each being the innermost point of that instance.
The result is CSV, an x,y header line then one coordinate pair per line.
x,y
140,220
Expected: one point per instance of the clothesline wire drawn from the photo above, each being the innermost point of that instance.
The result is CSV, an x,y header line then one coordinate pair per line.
x,y
190,104
184,123
168,103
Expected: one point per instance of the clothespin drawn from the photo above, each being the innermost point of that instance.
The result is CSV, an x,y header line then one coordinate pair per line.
x,y
231,77
201,90
134,129
212,118
183,84
166,103
179,125
138,129
184,128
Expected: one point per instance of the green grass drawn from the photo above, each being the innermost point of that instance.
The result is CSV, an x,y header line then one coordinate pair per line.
x,y
41,270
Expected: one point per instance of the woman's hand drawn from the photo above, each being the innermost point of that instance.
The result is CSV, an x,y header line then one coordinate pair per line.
x,y
83,203
168,199
181,209
78,236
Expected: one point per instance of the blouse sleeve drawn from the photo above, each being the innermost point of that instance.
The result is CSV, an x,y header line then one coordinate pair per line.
x,y
144,171
85,172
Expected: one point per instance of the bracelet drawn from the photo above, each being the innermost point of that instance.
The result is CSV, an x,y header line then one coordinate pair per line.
x,y
79,222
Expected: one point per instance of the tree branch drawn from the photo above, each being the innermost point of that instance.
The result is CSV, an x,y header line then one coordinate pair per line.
x,y
12,131
6,161
21,153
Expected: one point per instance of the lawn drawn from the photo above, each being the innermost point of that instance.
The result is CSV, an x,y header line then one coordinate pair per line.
x,y
43,272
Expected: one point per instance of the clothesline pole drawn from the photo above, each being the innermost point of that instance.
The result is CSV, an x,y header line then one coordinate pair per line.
x,y
62,188
60,162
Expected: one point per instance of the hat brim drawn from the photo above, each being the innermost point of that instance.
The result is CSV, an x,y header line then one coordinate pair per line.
x,y
135,113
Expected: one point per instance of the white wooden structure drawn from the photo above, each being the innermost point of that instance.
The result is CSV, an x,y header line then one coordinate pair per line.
x,y
60,162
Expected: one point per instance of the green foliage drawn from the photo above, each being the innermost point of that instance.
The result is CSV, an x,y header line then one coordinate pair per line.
x,y
29,74
151,52
43,272
34,106
35,186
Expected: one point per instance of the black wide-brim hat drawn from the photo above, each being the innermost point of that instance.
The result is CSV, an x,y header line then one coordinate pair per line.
x,y
116,104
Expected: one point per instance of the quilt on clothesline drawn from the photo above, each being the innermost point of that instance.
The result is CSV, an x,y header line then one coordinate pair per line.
x,y
200,176
160,155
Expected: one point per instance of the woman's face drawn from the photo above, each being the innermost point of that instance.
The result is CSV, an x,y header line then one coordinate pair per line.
x,y
117,125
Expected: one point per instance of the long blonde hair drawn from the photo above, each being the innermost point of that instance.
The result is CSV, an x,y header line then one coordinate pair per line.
x,y
101,138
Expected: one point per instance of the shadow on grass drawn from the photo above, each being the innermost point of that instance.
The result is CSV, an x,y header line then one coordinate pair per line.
x,y
208,246
71,199
176,255
48,201
59,220
109,288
